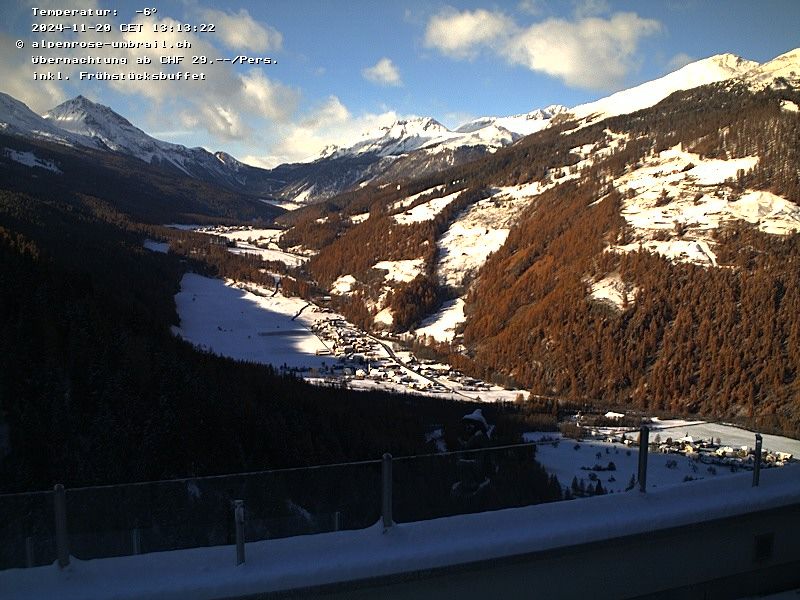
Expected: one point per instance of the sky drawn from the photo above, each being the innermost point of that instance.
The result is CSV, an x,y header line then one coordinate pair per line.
x,y
341,68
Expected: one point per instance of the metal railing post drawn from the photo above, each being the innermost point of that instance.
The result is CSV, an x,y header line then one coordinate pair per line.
x,y
30,558
644,434
337,521
757,463
136,540
238,515
62,537
386,492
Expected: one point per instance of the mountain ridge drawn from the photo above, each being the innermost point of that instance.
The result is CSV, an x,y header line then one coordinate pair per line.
x,y
407,147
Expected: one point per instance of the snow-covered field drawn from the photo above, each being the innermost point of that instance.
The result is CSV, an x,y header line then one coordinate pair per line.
x,y
239,324
729,434
245,322
569,458
256,242
426,211
246,234
271,254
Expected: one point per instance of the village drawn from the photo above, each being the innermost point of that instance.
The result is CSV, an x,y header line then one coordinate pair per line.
x,y
710,451
362,360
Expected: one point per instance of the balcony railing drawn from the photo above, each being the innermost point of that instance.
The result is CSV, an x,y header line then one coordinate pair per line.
x,y
39,528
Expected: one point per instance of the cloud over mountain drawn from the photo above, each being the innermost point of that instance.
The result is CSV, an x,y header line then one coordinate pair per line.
x,y
384,72
588,51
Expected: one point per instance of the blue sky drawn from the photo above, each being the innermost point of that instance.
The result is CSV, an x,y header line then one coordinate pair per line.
x,y
347,66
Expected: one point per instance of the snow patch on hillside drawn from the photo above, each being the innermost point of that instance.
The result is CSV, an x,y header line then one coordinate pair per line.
x,y
384,317
675,200
401,271
244,233
154,246
612,290
427,211
343,285
442,324
711,171
790,106
356,219
480,229
29,159
465,246
524,191
408,201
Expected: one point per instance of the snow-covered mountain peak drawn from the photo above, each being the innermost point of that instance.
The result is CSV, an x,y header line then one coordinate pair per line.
x,y
417,126
520,125
702,72
17,119
548,112
401,137
98,122
407,135
80,106
82,116
228,160
731,63
784,67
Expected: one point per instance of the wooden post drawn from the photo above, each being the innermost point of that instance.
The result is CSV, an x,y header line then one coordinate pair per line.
x,y
643,441
62,537
386,492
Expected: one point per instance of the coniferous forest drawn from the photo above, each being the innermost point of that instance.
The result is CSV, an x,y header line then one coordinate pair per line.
x,y
715,342
95,389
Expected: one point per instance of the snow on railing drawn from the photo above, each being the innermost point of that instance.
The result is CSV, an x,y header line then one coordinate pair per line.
x,y
112,520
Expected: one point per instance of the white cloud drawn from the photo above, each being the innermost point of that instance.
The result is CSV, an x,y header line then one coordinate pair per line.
x,y
221,104
461,34
590,53
384,72
591,8
16,75
329,123
587,52
532,7
239,31
268,98
220,120
679,60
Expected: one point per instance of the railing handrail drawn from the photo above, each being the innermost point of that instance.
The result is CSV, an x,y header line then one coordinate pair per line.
x,y
375,462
